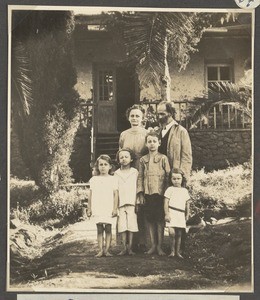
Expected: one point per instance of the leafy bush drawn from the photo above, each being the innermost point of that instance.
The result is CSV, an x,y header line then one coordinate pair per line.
x,y
243,205
59,209
22,192
29,205
221,189
81,153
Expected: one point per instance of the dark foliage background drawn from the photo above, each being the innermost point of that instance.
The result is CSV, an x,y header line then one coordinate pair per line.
x,y
44,102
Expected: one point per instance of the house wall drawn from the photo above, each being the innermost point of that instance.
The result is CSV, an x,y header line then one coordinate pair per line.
x,y
89,52
191,82
218,149
185,84
211,149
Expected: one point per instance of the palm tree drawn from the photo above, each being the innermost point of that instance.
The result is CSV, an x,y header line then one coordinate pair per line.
x,y
153,39
150,38
21,79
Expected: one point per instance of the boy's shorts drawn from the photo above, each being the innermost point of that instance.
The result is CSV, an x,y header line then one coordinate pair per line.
x,y
127,219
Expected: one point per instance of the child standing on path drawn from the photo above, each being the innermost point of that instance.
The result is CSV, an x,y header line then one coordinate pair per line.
x,y
127,219
152,182
103,202
176,207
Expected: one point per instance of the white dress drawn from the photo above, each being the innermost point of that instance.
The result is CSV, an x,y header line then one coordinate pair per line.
x,y
127,182
103,188
178,196
127,219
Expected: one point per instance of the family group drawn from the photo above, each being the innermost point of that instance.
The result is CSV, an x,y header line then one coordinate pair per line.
x,y
148,190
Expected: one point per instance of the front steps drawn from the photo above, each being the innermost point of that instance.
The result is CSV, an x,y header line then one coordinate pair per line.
x,y
107,144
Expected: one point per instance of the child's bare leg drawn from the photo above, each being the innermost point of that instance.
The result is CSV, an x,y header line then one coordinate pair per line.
x,y
183,240
130,243
108,239
124,236
100,239
160,233
178,241
172,241
152,231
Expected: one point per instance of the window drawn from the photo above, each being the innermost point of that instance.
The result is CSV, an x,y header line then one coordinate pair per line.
x,y
106,87
223,115
218,73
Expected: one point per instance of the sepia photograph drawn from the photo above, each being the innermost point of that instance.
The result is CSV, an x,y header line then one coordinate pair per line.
x,y
119,297
121,117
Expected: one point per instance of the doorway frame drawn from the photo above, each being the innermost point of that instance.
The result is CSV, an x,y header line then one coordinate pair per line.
x,y
96,66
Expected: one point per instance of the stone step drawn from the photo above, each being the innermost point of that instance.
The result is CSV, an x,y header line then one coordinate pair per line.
x,y
107,144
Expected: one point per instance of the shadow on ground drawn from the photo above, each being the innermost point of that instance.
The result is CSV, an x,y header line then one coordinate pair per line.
x,y
217,258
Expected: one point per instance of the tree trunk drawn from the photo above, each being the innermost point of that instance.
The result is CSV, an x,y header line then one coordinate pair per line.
x,y
165,78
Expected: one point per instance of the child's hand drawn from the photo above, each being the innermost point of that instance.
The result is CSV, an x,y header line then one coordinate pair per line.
x,y
167,218
137,208
114,213
141,199
89,212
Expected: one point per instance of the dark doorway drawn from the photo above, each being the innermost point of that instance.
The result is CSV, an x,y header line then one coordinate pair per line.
x,y
127,93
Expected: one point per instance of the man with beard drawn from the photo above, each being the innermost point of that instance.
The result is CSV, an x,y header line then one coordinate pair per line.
x,y
175,140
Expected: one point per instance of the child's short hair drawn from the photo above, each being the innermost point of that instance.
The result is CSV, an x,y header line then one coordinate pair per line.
x,y
152,132
107,159
179,171
132,155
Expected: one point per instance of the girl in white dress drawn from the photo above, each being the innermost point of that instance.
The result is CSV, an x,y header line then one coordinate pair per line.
x,y
176,208
103,202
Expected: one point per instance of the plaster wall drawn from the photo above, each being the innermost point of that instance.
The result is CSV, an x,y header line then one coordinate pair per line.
x,y
191,82
185,84
88,53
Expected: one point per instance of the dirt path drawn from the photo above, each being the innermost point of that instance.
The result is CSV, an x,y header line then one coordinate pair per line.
x,y
71,265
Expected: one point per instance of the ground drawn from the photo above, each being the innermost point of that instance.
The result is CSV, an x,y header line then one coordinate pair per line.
x,y
218,257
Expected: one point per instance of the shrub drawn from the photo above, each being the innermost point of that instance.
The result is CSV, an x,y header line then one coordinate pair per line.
x,y
22,192
29,205
221,189
59,209
81,155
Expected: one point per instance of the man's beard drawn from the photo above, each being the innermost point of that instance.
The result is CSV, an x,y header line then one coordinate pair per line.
x,y
163,120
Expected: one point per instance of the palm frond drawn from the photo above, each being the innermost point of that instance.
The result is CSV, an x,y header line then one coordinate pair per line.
x,y
145,34
229,92
21,78
224,93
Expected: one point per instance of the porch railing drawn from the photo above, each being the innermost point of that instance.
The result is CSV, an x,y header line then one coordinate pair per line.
x,y
220,117
224,116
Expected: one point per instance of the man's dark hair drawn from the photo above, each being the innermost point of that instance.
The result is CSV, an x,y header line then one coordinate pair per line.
x,y
169,108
